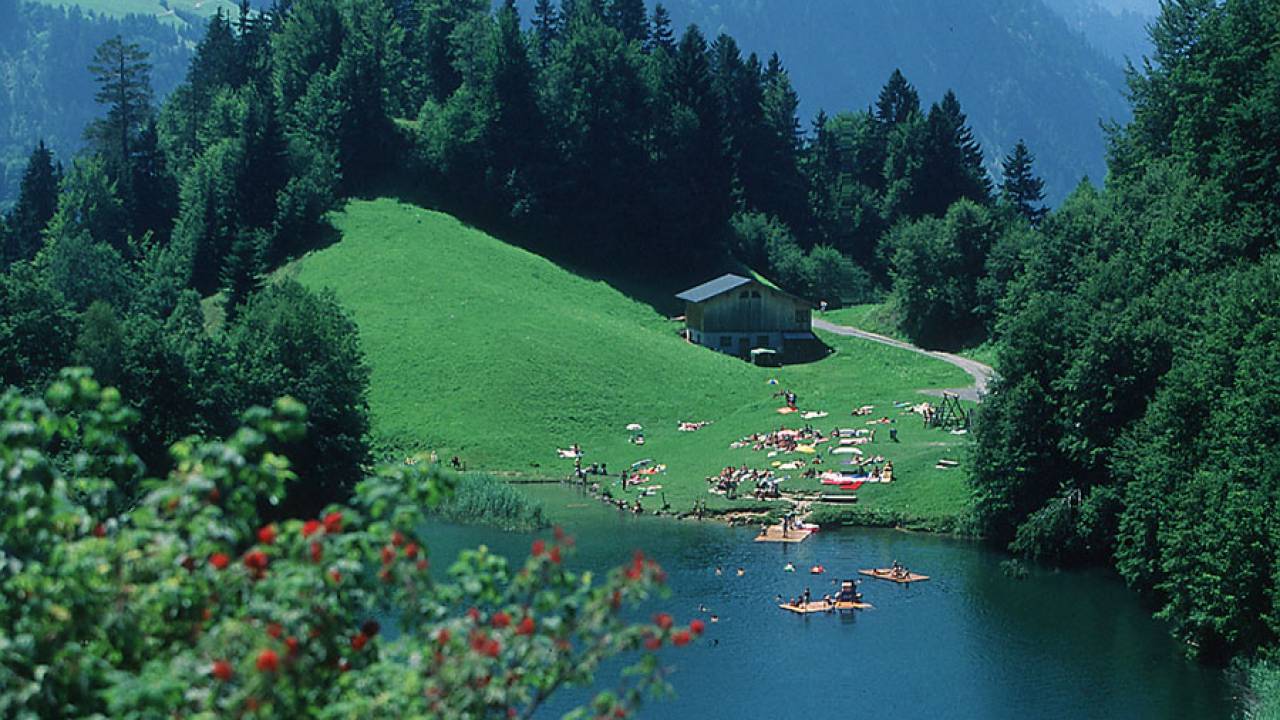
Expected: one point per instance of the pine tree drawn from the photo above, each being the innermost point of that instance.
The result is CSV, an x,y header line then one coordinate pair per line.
x,y
123,76
660,34
1020,187
37,202
628,17
546,27
898,100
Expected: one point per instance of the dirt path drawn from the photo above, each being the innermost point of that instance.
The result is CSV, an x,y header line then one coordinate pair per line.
x,y
981,374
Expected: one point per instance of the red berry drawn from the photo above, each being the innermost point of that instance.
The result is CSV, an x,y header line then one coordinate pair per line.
x,y
268,661
222,670
680,639
662,620
267,534
397,538
526,626
539,547
219,561
274,630
411,550
358,642
697,626
500,620
333,522
256,560
388,554
310,527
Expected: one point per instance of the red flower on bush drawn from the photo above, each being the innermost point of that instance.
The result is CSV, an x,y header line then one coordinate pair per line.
x,y
662,620
555,554
388,554
526,626
222,670
335,575
443,636
257,561
558,532
268,661
697,626
333,522
422,565
474,614
359,641
274,630
680,639
317,551
411,550
500,620
267,534
291,642
539,547
652,642
219,561
99,530
310,527
397,538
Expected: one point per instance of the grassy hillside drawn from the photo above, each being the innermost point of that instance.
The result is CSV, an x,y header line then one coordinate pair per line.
x,y
493,353
164,9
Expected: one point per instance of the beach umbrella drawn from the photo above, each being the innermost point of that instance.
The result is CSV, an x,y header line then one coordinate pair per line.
x,y
634,426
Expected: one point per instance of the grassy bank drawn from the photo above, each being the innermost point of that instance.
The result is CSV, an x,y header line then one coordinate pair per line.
x,y
492,353
880,318
483,499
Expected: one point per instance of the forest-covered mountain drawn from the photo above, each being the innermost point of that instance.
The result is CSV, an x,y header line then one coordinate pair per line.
x,y
1021,70
1118,28
45,92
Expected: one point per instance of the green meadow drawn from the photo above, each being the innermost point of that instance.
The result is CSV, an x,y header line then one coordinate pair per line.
x,y
487,351
156,8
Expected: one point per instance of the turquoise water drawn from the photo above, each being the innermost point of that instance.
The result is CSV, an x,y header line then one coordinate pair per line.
x,y
969,643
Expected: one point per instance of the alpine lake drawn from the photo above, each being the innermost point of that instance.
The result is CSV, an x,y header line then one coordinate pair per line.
x,y
971,642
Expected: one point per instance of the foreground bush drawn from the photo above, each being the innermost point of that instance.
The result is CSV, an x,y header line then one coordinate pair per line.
x,y
186,605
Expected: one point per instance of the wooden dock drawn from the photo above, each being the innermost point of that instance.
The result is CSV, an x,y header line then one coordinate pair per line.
x,y
821,606
774,533
887,574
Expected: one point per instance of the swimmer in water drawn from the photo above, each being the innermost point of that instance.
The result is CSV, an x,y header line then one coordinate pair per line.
x,y
719,570
741,572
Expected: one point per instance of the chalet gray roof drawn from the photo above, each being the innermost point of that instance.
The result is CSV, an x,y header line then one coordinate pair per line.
x,y
712,288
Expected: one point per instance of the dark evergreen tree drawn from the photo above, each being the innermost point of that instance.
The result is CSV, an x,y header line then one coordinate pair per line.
x,y
897,101
123,76
629,18
37,202
439,20
546,27
1020,187
660,33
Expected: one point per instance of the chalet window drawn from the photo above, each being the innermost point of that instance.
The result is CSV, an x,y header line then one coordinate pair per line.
x,y
725,341
755,294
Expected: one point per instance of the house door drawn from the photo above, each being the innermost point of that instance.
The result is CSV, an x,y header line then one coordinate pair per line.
x,y
744,346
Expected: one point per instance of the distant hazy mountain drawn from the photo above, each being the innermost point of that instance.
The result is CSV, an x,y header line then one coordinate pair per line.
x,y
1118,28
1019,70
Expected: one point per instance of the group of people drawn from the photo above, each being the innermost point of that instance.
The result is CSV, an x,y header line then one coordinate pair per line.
x,y
782,439
731,477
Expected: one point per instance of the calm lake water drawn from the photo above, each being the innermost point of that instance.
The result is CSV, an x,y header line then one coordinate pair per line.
x,y
969,643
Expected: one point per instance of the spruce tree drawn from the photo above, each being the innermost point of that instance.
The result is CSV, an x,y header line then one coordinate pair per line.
x,y
660,34
546,27
1020,188
628,17
123,76
37,202
898,100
